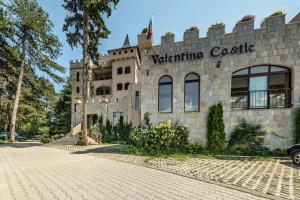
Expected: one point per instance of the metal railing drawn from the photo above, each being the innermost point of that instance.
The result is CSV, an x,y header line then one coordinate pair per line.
x,y
272,98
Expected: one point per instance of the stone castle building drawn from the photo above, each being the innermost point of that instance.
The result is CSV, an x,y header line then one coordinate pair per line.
x,y
254,73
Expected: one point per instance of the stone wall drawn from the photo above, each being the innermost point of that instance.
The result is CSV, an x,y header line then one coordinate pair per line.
x,y
275,43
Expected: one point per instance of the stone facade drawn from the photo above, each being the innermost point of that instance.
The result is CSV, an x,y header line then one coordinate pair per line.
x,y
104,96
274,43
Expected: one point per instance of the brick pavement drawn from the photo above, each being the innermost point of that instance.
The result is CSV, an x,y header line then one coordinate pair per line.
x,y
36,172
275,179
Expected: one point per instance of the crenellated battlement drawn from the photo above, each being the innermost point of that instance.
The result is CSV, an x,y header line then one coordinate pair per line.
x,y
241,29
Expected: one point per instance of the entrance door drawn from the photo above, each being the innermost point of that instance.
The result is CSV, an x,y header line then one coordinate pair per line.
x,y
258,91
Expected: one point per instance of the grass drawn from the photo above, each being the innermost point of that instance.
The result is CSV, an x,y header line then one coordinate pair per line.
x,y
184,156
4,142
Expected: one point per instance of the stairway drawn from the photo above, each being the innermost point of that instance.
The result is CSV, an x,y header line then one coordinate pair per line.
x,y
71,138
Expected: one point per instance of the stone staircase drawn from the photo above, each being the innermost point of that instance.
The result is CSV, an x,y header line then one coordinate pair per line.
x,y
71,138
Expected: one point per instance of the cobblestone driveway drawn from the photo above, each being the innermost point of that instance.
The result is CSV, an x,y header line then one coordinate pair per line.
x,y
276,179
35,172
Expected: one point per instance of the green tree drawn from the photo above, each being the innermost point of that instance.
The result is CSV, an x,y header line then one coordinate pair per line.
x,y
215,126
62,111
86,26
38,47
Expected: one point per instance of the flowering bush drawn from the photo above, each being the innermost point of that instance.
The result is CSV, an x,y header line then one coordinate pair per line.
x,y
247,18
165,137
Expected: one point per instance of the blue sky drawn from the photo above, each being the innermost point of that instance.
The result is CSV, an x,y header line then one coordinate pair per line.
x,y
131,16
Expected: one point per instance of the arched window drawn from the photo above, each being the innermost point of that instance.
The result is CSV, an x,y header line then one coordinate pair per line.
x,y
77,76
191,93
119,86
120,70
103,90
127,70
126,86
264,86
165,94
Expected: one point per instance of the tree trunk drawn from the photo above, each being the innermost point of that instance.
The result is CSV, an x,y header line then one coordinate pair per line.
x,y
86,61
18,93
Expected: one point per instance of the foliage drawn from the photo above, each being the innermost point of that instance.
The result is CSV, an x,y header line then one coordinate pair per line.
x,y
215,126
247,18
45,139
279,12
249,135
147,120
193,28
61,116
261,151
165,137
145,30
297,125
85,26
95,133
35,44
169,32
195,148
217,24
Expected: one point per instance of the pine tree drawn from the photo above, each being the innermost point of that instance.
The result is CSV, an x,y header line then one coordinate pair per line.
x,y
86,26
36,44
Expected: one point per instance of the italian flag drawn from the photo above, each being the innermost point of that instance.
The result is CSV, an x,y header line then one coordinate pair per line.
x,y
149,30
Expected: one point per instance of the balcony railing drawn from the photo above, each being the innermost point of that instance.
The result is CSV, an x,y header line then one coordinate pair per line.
x,y
272,98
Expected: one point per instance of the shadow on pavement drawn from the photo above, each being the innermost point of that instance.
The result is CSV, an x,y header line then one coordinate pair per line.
x,y
104,149
290,164
27,144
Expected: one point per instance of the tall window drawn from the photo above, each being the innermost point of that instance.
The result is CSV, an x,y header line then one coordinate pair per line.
x,y
165,94
137,100
127,70
126,86
77,76
119,86
264,86
191,93
77,90
120,70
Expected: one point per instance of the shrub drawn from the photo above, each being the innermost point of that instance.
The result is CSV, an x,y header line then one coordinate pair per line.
x,y
279,12
250,135
193,28
217,24
195,148
215,125
80,138
95,133
45,138
163,138
247,18
169,32
147,120
297,125
144,30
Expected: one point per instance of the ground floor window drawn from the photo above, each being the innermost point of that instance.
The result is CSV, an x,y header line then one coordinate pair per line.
x,y
191,93
165,94
261,87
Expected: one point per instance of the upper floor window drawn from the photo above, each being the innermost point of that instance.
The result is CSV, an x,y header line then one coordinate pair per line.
x,y
120,70
191,92
263,86
127,70
103,91
78,90
77,76
126,86
165,94
119,86
137,100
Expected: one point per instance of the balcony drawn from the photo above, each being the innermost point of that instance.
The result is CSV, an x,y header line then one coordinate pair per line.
x,y
272,98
